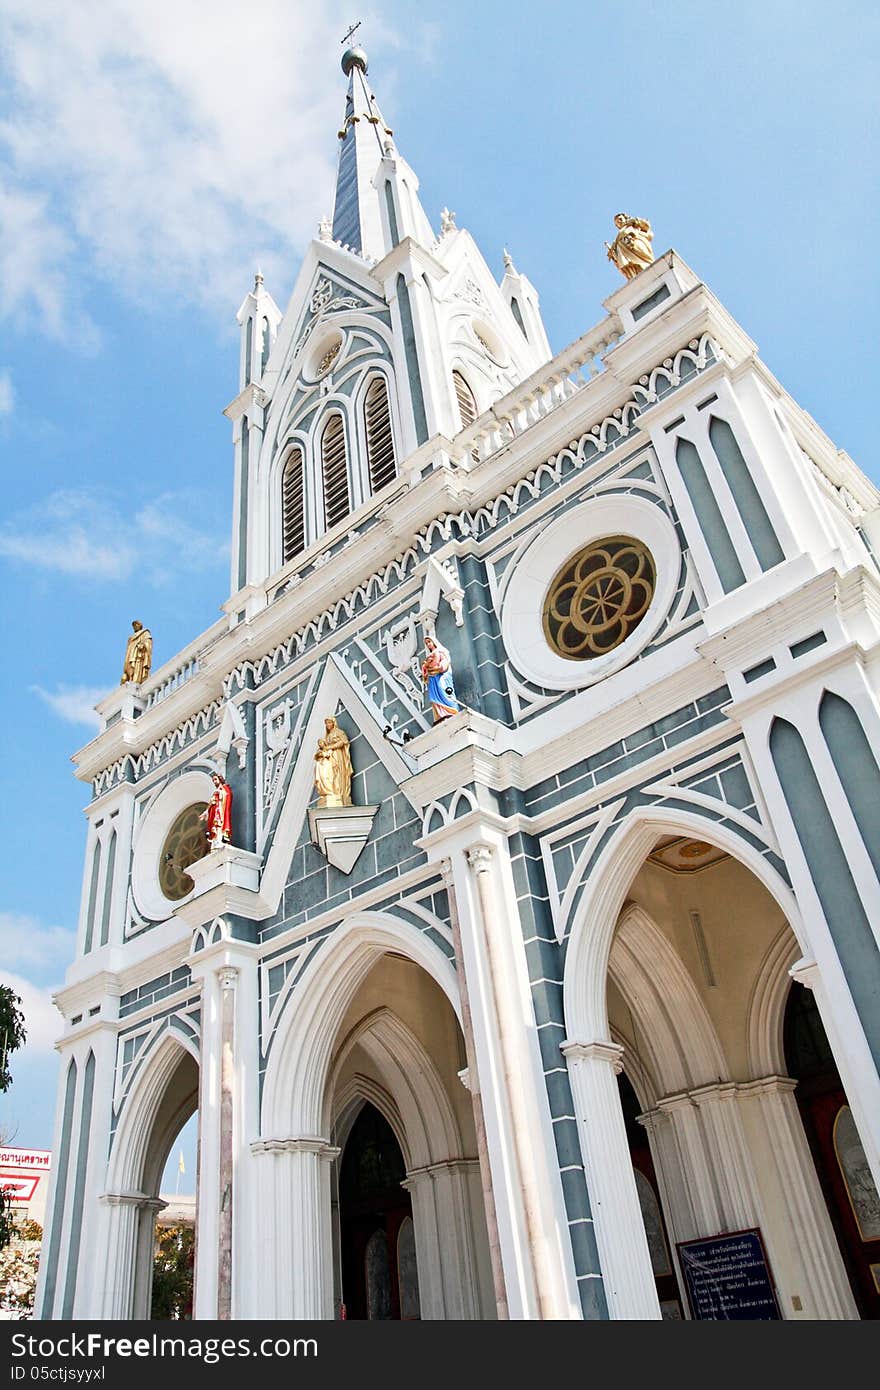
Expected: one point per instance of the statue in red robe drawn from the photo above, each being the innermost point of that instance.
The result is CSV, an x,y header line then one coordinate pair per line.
x,y
218,814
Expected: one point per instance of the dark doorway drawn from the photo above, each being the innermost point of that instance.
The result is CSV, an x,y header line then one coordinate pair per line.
x,y
649,1201
841,1166
379,1274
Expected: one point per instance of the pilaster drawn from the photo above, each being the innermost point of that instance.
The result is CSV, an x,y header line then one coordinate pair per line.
x,y
620,1231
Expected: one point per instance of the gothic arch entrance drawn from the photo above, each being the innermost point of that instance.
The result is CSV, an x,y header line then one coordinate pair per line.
x,y
162,1099
695,980
372,1019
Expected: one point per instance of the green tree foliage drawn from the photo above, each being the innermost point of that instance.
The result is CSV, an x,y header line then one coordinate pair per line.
x,y
7,1223
12,1032
173,1273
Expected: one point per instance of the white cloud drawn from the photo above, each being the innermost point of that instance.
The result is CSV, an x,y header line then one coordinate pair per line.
x,y
168,147
7,393
73,703
27,944
42,1019
85,533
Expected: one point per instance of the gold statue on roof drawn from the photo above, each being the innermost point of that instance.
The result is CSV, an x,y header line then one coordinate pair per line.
x,y
631,249
138,655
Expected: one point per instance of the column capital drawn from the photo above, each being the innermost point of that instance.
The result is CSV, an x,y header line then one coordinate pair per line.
x,y
479,858
434,1170
806,972
132,1199
228,976
715,1091
767,1085
305,1144
599,1050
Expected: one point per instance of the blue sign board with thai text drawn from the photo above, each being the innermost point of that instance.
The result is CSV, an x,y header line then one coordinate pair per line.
x,y
728,1279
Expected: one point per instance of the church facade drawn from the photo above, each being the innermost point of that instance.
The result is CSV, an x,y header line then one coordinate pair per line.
x,y
567,1005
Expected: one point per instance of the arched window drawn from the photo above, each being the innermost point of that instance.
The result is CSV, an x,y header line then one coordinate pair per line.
x,y
334,471
467,405
293,520
380,443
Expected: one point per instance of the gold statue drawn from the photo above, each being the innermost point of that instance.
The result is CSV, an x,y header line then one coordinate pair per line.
x,y
631,248
333,769
138,655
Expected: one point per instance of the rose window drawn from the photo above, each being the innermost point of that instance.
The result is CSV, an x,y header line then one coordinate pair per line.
x,y
599,597
184,844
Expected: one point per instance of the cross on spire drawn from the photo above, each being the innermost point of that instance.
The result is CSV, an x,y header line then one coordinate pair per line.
x,y
351,33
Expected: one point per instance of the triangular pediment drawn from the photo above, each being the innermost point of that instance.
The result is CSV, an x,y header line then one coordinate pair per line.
x,y
335,690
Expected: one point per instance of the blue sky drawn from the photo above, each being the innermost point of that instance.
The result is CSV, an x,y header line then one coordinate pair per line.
x,y
152,156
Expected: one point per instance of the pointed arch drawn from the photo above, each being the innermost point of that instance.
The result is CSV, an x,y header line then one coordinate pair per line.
x,y
334,471
421,1113
679,1038
295,1084
143,1108
465,398
586,964
381,462
764,1026
293,513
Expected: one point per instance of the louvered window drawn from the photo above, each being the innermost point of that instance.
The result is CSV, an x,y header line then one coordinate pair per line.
x,y
293,521
467,406
380,444
334,470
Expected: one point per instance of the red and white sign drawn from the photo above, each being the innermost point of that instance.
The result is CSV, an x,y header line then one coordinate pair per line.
x,y
21,1171
20,1188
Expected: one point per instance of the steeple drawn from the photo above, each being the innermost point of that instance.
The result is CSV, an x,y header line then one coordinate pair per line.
x,y
376,203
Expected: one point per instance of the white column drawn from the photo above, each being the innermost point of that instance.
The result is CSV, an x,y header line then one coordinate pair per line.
x,y
617,1217
535,1249
293,1177
799,1211
227,1253
687,1132
472,1082
449,1274
728,1155
228,977
124,1275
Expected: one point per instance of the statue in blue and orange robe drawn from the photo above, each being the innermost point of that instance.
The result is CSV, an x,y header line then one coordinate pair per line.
x,y
437,676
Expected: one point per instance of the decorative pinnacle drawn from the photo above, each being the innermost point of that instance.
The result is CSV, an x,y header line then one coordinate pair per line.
x,y
508,260
258,278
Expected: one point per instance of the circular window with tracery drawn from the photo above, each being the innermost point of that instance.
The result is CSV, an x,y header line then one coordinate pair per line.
x,y
599,597
184,844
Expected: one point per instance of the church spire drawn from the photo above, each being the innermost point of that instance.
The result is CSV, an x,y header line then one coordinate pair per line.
x,y
363,136
370,213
